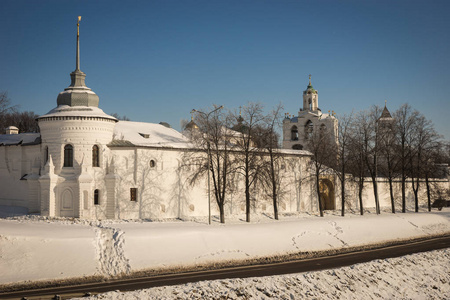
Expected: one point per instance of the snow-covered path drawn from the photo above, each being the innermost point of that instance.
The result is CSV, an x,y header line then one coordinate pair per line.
x,y
47,249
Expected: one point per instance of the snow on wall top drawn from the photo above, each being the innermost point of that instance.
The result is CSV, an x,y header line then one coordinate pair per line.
x,y
20,139
149,134
77,111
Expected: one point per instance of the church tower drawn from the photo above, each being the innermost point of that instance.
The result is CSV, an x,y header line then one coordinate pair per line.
x,y
297,130
74,150
310,98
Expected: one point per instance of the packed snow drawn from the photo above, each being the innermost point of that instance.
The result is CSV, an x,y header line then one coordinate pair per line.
x,y
418,276
34,248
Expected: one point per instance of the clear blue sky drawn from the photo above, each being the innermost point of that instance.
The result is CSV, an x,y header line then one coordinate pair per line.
x,y
156,60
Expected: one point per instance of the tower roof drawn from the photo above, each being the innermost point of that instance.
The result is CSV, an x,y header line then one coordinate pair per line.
x,y
386,114
77,94
309,88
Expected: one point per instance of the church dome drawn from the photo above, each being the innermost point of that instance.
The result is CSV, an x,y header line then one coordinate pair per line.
x,y
191,125
309,88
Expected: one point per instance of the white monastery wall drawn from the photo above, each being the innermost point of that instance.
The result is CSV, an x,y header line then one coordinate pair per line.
x,y
15,163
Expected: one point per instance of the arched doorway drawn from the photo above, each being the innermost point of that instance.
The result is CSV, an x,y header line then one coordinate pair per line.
x,y
326,188
66,204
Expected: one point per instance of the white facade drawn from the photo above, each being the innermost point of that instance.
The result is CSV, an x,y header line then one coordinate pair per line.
x,y
87,164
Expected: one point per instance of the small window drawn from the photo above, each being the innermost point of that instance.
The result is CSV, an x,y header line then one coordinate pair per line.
x,y
96,197
133,194
95,156
294,133
152,164
68,156
46,155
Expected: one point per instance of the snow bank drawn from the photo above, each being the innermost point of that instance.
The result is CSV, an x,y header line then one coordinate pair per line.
x,y
418,276
42,249
37,250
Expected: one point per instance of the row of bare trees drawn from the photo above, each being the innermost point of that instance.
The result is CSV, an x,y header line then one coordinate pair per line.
x,y
240,145
11,116
369,145
403,147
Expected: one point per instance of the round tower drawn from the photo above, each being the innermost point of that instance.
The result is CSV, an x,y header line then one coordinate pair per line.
x,y
74,138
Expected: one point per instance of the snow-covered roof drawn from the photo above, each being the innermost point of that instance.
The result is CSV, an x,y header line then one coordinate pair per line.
x,y
20,139
148,134
77,111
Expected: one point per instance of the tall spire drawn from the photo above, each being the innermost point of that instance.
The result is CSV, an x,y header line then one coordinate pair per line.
x,y
77,94
77,66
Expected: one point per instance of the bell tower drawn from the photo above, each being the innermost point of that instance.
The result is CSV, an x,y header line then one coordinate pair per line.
x,y
310,98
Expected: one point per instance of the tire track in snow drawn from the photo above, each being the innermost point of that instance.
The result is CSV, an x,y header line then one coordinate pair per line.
x,y
110,251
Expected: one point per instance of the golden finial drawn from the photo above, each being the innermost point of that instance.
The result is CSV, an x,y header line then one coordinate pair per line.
x,y
385,102
78,25
309,79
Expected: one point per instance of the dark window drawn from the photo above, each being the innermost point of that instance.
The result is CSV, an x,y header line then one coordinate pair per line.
x,y
68,156
152,164
96,197
294,133
308,129
46,155
133,194
95,156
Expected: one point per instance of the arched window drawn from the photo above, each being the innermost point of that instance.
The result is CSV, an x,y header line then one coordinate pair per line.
x,y
68,156
308,129
96,197
294,133
95,156
152,164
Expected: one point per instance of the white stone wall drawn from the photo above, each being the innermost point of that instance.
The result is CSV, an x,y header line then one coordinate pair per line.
x,y
16,162
164,191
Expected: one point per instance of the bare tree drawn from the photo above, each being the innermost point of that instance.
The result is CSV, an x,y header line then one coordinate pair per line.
x,y
425,141
388,164
213,141
323,150
250,163
356,164
267,140
119,117
343,155
404,123
25,121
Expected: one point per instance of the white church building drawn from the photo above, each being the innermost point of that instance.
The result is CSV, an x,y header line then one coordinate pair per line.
x,y
85,163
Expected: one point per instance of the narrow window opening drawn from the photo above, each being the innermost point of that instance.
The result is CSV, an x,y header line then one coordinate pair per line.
x,y
133,194
46,155
95,156
68,156
96,197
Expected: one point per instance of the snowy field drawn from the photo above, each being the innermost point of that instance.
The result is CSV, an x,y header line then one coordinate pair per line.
x,y
418,276
36,248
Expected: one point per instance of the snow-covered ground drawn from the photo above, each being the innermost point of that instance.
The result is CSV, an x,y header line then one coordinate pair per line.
x,y
418,276
37,248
